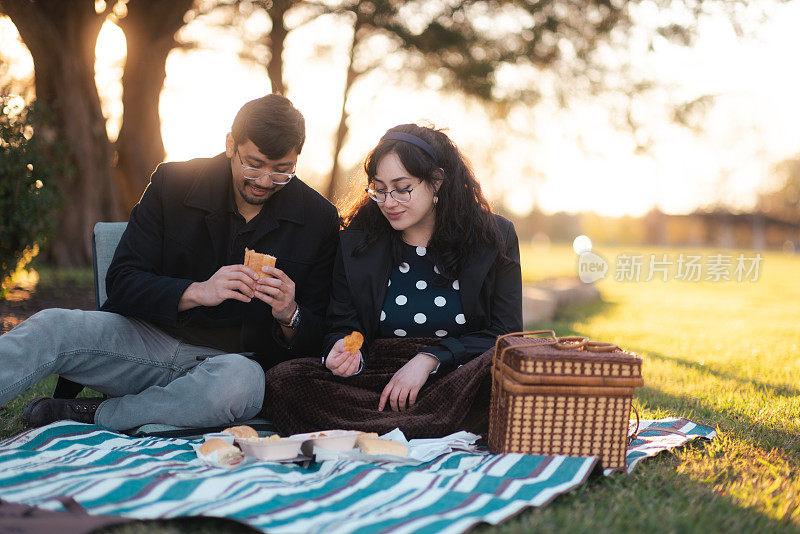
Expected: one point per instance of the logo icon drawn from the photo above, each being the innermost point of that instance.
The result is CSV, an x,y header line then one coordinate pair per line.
x,y
591,267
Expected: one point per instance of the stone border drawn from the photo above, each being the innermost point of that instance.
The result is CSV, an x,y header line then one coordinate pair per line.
x,y
542,300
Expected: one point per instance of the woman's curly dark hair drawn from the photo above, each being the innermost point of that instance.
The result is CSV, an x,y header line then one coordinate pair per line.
x,y
463,216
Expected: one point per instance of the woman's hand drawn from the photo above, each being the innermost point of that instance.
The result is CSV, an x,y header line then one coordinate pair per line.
x,y
341,362
402,389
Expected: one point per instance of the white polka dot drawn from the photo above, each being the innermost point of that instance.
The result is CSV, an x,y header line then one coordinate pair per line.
x,y
389,284
420,318
383,315
400,300
440,301
436,269
441,333
455,285
422,284
460,319
399,332
421,251
404,267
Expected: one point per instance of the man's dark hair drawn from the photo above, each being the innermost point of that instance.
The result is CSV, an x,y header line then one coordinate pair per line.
x,y
272,123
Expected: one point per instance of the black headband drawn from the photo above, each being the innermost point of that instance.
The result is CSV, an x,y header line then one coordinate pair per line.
x,y
414,140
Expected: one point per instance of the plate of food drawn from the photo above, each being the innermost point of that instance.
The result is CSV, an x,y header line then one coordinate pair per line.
x,y
370,443
336,440
271,447
370,448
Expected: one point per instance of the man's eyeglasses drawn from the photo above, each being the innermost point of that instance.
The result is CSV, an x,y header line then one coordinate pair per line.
x,y
253,173
400,195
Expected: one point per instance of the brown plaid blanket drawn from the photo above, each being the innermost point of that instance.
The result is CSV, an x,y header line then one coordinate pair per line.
x,y
302,395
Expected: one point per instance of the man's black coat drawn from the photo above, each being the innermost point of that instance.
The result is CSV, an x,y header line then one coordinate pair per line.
x,y
179,233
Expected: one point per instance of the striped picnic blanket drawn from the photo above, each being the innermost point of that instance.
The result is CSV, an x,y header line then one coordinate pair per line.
x,y
110,473
657,436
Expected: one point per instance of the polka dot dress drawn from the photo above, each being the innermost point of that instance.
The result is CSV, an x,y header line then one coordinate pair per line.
x,y
415,306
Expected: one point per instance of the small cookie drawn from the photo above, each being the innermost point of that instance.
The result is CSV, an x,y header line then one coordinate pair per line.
x,y
353,342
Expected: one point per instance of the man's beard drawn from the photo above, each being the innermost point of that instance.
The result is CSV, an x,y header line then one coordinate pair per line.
x,y
255,201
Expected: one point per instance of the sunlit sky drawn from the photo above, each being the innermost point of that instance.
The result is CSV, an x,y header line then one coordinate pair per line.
x,y
554,159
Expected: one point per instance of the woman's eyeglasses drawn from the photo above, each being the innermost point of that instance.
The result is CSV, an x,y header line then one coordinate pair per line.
x,y
400,195
253,173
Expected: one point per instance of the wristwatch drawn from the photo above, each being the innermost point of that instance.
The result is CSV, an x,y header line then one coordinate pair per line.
x,y
294,322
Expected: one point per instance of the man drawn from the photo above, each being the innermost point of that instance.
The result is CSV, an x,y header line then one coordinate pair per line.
x,y
187,328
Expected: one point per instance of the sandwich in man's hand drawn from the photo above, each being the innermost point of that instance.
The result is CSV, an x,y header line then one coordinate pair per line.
x,y
256,260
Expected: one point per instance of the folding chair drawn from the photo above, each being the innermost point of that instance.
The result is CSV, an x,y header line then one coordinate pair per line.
x,y
105,238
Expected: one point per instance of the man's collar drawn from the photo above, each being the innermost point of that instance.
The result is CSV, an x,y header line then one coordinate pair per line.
x,y
231,199
209,191
212,191
287,204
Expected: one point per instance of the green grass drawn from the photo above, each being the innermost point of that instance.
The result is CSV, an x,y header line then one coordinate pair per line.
x,y
64,283
724,354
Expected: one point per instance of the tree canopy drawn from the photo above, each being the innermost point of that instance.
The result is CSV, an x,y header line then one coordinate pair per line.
x,y
503,53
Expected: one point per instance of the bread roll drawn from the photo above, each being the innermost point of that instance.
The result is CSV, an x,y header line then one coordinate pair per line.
x,y
242,431
375,445
227,454
256,260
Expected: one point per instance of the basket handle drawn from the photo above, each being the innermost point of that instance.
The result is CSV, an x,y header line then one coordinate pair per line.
x,y
530,333
527,333
501,357
583,343
571,342
600,346
635,434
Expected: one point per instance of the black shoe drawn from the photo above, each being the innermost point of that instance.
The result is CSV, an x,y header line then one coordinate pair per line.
x,y
44,410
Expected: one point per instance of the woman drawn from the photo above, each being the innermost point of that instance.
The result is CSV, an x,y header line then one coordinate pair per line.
x,y
430,277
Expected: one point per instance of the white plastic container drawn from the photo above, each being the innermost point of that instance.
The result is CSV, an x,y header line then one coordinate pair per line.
x,y
337,440
270,449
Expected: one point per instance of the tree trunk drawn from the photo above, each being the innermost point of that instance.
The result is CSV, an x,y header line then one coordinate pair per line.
x,y
334,179
277,39
149,28
61,37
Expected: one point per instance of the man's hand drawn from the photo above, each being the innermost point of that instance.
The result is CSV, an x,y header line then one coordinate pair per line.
x,y
402,389
230,282
277,290
341,362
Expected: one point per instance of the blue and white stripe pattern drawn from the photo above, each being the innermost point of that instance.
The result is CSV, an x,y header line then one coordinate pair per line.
x,y
661,435
113,474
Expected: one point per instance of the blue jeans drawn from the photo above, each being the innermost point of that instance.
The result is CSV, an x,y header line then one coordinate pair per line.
x,y
150,376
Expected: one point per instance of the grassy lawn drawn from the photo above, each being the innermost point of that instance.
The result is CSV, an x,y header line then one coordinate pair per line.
x,y
724,354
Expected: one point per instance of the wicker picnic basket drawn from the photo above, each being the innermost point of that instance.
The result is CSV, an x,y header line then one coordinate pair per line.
x,y
562,396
